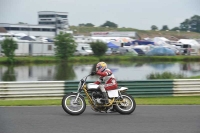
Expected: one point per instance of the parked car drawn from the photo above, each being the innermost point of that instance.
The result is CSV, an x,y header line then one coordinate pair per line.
x,y
84,47
81,52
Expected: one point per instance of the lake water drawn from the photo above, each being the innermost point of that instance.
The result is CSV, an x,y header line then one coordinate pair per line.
x,y
74,72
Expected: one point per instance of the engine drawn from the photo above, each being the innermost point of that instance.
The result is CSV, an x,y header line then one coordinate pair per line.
x,y
97,96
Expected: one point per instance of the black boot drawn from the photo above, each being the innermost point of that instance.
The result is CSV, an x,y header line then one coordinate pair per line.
x,y
105,98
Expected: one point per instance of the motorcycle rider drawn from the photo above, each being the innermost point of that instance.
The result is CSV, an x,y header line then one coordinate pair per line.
x,y
107,77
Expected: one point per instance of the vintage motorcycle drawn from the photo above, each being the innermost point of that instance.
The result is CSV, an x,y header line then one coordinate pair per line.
x,y
74,103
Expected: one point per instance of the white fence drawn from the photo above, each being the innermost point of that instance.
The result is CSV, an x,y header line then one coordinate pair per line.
x,y
32,89
185,87
56,89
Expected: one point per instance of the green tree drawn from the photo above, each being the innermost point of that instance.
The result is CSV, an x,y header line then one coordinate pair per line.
x,y
89,25
164,28
65,45
9,46
175,29
81,25
184,26
153,27
86,25
99,48
195,23
109,24
192,24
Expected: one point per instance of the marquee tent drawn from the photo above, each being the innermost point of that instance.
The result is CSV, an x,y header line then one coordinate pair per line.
x,y
111,45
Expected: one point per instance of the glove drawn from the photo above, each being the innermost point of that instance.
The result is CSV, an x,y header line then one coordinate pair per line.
x,y
101,79
93,73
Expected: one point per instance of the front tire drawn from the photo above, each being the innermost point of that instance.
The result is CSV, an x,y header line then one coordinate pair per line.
x,y
72,108
127,106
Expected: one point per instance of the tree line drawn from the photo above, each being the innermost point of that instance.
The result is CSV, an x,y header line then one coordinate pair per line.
x,y
106,24
191,24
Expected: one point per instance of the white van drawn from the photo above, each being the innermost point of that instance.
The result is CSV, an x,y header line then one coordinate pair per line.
x,y
84,47
192,45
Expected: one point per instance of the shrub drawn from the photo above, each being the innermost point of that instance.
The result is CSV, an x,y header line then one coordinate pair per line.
x,y
99,48
9,46
65,45
166,75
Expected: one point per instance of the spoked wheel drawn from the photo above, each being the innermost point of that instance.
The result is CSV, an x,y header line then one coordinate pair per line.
x,y
71,107
127,106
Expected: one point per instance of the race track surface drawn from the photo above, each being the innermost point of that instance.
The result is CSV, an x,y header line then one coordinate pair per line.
x,y
145,119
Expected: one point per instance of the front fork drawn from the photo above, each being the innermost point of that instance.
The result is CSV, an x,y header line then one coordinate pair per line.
x,y
86,93
77,95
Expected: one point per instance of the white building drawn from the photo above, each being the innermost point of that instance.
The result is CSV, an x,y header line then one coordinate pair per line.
x,y
116,34
117,37
83,39
58,19
50,23
30,30
33,48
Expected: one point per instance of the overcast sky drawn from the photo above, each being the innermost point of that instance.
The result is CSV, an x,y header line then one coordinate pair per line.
x,y
139,14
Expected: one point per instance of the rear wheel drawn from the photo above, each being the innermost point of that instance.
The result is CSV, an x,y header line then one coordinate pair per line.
x,y
71,107
127,106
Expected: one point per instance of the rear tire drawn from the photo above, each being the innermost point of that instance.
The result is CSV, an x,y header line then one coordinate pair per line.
x,y
69,107
122,107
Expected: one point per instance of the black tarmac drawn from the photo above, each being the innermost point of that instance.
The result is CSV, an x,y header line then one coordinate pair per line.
x,y
145,119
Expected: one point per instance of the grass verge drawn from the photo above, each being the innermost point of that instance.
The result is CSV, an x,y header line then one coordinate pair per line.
x,y
83,30
189,100
81,59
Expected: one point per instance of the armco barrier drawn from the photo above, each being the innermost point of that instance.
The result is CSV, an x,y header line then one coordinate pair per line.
x,y
186,87
56,89
35,89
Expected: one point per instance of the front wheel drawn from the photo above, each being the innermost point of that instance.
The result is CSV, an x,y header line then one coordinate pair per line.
x,y
127,106
71,107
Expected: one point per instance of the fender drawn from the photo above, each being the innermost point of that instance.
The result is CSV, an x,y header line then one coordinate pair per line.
x,y
123,89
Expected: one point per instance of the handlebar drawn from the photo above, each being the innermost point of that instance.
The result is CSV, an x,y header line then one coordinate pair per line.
x,y
85,78
91,74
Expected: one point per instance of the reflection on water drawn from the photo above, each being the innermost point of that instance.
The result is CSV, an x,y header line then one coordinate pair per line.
x,y
9,74
64,71
74,72
192,67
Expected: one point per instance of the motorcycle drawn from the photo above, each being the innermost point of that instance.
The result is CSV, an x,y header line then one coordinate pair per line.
x,y
119,101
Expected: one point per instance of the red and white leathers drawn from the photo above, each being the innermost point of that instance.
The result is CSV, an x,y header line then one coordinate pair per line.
x,y
108,78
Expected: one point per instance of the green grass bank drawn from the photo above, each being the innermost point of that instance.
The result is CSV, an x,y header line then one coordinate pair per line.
x,y
82,30
81,59
189,100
